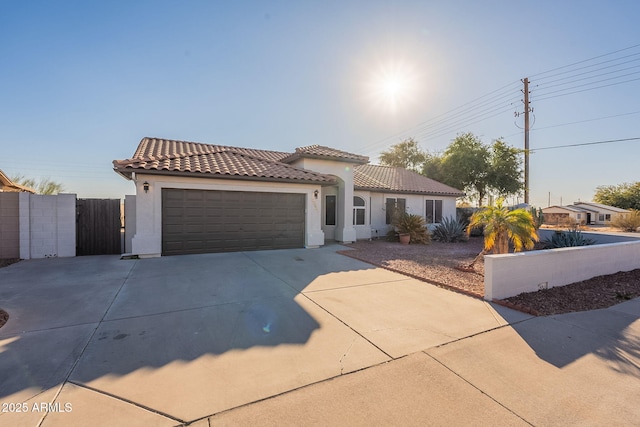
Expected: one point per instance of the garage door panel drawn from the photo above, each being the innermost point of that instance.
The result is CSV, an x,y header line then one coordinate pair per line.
x,y
198,221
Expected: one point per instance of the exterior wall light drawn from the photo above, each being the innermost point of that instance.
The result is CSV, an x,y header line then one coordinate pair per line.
x,y
315,194
145,186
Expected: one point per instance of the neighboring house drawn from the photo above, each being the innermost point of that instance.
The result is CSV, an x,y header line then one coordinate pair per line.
x,y
582,213
601,214
6,185
196,198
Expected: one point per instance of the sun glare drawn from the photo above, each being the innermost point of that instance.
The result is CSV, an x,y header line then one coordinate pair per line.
x,y
393,86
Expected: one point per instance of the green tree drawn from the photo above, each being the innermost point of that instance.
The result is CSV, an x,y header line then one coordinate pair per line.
x,y
433,168
465,165
624,196
43,186
505,175
406,154
502,225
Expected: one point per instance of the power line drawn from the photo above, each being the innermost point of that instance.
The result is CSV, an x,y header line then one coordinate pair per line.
x,y
590,66
481,108
547,86
459,112
575,123
585,144
585,60
583,90
481,117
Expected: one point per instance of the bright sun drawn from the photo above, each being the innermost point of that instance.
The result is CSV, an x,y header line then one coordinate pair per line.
x,y
393,86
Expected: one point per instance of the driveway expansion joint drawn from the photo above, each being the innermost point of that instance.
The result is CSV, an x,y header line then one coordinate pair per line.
x,y
479,389
86,345
130,402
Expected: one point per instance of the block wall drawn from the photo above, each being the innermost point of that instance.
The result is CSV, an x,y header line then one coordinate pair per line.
x,y
9,226
47,225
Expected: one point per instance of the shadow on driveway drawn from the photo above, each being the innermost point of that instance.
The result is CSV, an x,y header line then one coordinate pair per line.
x,y
93,318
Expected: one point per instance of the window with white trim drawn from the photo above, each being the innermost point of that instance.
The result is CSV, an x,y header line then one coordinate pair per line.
x,y
391,205
433,212
359,210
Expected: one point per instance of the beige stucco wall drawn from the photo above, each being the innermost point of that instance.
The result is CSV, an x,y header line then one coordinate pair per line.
x,y
147,241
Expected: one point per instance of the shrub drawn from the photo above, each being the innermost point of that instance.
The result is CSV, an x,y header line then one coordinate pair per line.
x,y
629,222
450,230
567,239
414,225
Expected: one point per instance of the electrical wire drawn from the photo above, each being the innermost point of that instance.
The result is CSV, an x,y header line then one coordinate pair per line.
x,y
547,86
502,100
583,61
459,113
584,144
575,123
583,90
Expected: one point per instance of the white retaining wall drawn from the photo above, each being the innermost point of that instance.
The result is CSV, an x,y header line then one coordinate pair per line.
x,y
511,274
47,225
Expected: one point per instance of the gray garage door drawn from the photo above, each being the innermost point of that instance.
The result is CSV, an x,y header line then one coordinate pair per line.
x,y
199,221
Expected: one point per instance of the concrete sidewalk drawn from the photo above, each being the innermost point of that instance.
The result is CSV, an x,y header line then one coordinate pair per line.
x,y
296,337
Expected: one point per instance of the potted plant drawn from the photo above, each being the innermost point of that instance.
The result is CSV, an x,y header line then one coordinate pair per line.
x,y
412,229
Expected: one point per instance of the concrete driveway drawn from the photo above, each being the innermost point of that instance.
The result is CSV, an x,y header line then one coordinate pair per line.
x,y
295,337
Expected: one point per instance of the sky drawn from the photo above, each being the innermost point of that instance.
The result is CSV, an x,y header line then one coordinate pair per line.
x,y
81,83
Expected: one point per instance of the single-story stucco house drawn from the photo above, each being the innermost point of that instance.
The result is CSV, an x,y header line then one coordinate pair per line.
x,y
195,198
590,213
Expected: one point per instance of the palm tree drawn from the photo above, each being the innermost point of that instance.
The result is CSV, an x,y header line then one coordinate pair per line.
x,y
502,225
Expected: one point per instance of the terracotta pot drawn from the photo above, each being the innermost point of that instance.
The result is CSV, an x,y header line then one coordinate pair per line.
x,y
405,238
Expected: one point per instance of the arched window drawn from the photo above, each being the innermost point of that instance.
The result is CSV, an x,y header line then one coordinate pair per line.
x,y
358,210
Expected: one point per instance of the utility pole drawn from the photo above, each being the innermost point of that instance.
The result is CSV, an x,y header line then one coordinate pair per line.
x,y
526,139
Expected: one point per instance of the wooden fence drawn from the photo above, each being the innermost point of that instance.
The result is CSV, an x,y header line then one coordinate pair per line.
x,y
98,227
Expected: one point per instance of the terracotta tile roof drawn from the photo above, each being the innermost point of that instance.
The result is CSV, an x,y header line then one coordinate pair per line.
x,y
170,157
321,152
156,148
398,180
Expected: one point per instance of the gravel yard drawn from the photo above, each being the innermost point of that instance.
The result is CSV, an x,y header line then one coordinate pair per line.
x,y
436,263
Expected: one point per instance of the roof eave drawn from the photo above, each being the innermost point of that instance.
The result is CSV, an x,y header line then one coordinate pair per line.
x,y
297,156
141,171
388,191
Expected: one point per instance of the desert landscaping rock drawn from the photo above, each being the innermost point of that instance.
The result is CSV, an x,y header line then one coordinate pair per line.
x,y
439,264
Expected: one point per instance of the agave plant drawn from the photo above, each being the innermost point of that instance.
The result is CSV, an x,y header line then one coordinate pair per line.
x,y
567,239
450,230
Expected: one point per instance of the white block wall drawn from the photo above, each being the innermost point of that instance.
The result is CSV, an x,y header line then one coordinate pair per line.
x,y
47,225
511,274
